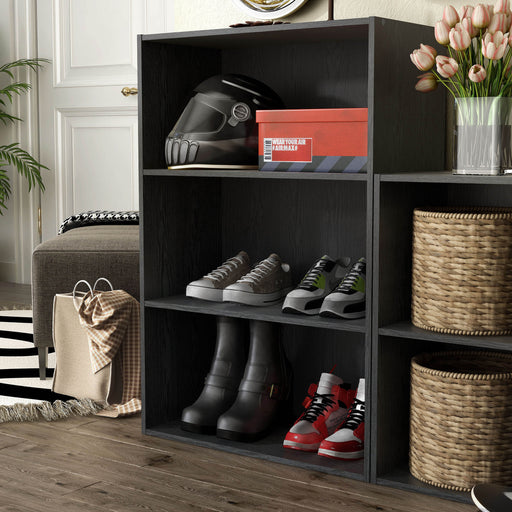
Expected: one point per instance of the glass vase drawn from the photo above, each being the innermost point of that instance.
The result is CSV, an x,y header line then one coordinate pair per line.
x,y
482,136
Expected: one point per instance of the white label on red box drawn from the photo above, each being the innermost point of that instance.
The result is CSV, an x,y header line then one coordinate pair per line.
x,y
295,149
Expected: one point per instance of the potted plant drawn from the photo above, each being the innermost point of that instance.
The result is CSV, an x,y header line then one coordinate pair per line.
x,y
477,73
13,154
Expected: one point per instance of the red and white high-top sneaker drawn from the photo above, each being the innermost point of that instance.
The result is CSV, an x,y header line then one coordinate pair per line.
x,y
348,441
326,407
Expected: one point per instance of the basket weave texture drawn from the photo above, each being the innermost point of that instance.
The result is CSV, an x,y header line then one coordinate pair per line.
x,y
460,420
462,270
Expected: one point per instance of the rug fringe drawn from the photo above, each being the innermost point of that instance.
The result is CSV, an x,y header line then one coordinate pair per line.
x,y
49,411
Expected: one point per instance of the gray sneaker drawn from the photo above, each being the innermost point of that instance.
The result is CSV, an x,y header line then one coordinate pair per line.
x,y
211,286
268,282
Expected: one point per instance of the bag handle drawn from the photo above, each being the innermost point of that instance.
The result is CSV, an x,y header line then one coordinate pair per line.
x,y
77,306
103,279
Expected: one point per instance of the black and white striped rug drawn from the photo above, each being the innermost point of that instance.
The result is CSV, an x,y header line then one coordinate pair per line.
x,y
23,396
19,373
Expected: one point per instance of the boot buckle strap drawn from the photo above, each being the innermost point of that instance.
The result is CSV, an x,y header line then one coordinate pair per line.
x,y
273,391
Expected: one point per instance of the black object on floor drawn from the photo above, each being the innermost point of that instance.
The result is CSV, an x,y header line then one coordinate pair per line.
x,y
492,497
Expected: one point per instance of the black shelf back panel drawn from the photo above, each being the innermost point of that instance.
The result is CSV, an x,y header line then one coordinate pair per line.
x,y
408,127
183,344
170,74
195,224
395,227
327,74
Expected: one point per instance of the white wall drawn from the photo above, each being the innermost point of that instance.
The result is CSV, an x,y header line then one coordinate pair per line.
x,y
7,221
18,225
202,14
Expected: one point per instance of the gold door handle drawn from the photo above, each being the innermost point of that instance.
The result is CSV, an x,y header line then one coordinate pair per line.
x,y
127,91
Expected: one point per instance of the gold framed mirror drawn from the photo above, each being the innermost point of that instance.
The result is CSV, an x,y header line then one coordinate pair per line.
x,y
269,9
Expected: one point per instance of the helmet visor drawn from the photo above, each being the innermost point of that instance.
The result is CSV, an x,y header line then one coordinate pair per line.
x,y
198,117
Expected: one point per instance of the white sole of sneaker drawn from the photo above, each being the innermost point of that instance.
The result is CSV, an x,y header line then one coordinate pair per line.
x,y
333,312
301,446
200,292
290,309
254,299
295,305
341,455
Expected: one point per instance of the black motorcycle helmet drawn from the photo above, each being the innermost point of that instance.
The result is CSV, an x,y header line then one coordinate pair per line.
x,y
218,125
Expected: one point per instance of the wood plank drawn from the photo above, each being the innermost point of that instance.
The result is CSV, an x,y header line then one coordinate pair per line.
x,y
125,462
18,496
123,486
8,440
39,475
15,296
124,500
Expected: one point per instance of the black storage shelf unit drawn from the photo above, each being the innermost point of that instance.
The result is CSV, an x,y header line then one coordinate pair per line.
x,y
193,220
396,339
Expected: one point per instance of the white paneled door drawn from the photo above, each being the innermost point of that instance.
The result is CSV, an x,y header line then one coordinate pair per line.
x,y
88,128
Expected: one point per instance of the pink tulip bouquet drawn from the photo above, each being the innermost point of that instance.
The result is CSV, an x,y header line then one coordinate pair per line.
x,y
478,43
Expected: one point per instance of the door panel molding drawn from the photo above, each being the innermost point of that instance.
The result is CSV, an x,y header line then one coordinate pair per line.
x,y
78,127
104,60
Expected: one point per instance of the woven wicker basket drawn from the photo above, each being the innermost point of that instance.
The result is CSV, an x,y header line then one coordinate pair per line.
x,y
462,270
460,420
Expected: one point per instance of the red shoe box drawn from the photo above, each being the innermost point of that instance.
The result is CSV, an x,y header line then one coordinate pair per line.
x,y
319,140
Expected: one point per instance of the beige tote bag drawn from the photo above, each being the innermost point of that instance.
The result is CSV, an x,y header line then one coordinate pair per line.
x,y
73,374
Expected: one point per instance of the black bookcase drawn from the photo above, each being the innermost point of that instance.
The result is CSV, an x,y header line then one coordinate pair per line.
x,y
193,220
396,340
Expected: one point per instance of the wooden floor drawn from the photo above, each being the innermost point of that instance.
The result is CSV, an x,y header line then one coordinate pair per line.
x,y
15,296
102,464
98,464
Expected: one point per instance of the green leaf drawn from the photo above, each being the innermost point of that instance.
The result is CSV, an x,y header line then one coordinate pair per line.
x,y
16,88
21,63
12,154
25,164
5,190
495,84
4,117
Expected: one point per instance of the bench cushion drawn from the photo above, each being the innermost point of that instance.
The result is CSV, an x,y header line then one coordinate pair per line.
x,y
110,251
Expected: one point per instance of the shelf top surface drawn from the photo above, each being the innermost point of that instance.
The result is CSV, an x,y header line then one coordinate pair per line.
x,y
267,313
255,174
444,177
406,329
269,448
306,32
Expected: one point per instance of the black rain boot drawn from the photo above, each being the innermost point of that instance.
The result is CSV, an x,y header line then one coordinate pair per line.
x,y
264,387
221,383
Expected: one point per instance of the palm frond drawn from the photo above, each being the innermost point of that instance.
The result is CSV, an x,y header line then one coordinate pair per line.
x,y
5,190
15,88
33,64
12,154
4,117
26,164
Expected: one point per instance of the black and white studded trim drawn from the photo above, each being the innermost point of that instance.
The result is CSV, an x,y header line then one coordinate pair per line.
x,y
97,217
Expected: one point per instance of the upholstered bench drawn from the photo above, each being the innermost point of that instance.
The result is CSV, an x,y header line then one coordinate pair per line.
x,y
87,252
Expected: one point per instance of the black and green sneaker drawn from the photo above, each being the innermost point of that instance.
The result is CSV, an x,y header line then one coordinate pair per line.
x,y
348,299
320,280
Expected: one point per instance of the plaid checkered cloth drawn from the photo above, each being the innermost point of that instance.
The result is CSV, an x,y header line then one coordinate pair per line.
x,y
111,319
